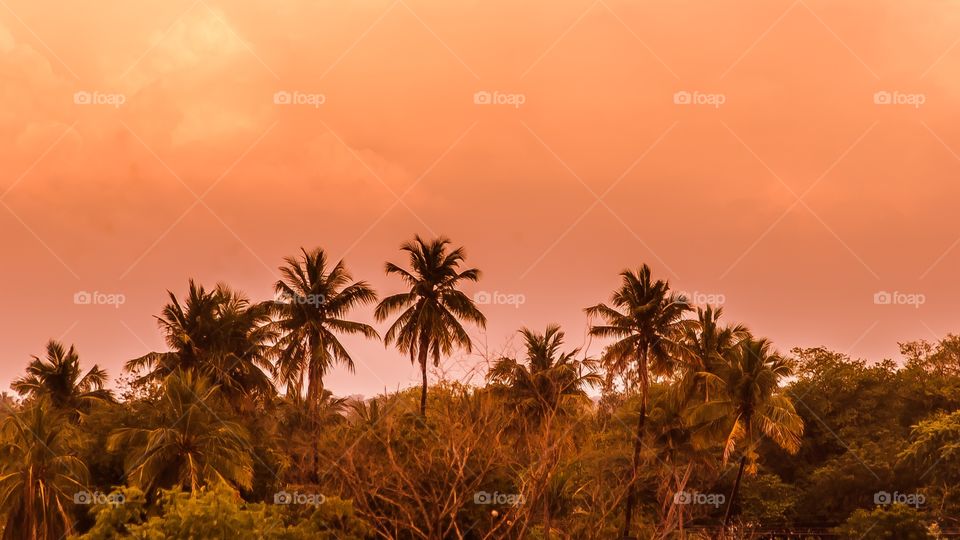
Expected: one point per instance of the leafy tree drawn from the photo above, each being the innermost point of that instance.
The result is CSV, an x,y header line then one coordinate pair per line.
x,y
40,473
220,335
190,445
312,304
431,311
59,378
934,454
645,320
896,522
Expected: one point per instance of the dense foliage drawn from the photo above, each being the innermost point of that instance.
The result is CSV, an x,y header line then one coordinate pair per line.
x,y
684,426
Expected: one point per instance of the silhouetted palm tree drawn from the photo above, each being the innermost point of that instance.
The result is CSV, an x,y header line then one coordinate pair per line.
x,y
705,346
547,378
312,304
429,324
39,474
59,378
190,445
220,335
750,406
645,320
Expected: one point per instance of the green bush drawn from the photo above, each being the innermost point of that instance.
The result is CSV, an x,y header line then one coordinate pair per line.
x,y
897,521
221,513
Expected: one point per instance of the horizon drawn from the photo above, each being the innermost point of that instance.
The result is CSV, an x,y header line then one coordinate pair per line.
x,y
559,146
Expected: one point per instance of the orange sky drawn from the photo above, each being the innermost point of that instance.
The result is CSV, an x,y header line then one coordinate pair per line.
x,y
795,200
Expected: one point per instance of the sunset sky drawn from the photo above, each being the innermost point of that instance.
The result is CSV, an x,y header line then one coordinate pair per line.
x,y
815,166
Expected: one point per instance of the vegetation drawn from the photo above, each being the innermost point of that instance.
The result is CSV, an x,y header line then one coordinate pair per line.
x,y
681,425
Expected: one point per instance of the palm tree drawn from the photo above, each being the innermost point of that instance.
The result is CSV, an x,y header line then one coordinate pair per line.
x,y
299,424
548,378
429,324
646,320
220,335
705,346
40,476
539,388
190,445
675,446
59,378
311,309
750,406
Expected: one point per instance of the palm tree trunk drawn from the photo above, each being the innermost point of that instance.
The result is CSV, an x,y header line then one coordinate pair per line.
x,y
637,447
733,494
315,419
424,346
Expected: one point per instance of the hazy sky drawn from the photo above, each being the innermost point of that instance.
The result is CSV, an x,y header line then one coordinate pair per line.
x,y
146,143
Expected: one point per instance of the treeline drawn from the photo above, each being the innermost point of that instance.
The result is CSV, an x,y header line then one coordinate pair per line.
x,y
696,428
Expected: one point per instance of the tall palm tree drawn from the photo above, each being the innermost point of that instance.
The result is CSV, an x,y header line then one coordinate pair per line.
x,y
59,378
751,406
646,320
429,324
221,335
312,304
705,346
190,444
40,475
547,378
